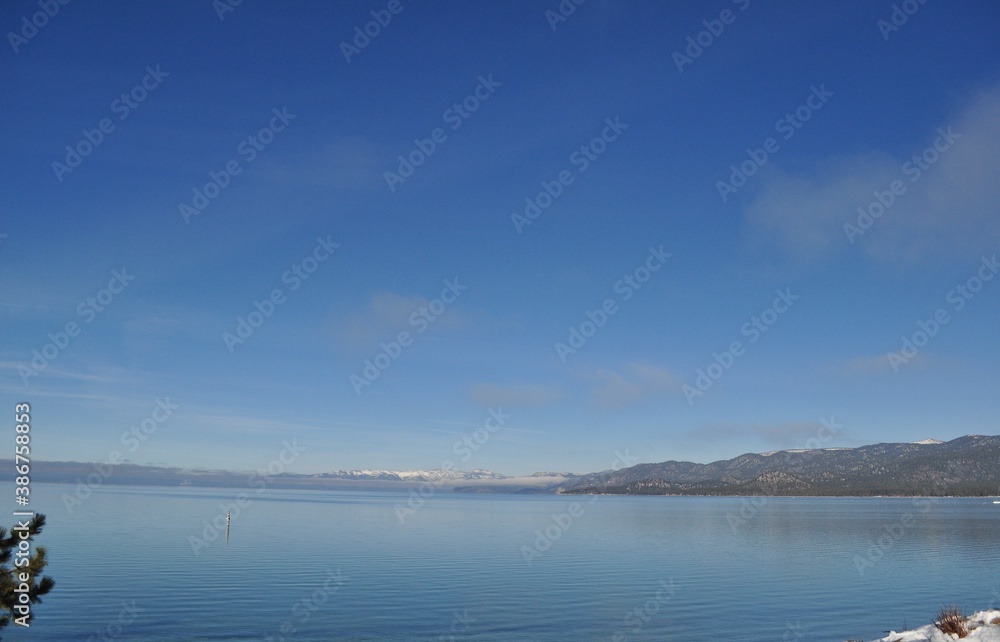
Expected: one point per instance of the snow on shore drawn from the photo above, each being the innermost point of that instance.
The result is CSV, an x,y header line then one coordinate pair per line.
x,y
979,625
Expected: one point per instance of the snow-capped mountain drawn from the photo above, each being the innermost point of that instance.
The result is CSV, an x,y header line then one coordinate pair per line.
x,y
411,475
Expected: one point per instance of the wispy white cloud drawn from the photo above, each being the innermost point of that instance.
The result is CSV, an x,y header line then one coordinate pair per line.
x,y
874,364
155,325
387,314
616,388
948,208
780,435
232,423
351,162
522,436
59,371
61,394
514,394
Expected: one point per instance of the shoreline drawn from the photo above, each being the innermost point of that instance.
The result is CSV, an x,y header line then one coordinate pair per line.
x,y
982,626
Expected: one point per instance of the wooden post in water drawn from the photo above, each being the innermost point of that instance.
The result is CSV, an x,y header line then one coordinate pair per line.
x,y
227,528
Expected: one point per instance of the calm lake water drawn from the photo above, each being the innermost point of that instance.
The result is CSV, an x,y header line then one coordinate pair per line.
x,y
341,566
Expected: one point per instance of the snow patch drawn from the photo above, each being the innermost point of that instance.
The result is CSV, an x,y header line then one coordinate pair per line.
x,y
980,630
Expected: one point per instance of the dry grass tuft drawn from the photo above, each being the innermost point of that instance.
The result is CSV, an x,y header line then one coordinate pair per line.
x,y
950,619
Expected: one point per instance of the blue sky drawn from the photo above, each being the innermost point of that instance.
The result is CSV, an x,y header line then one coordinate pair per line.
x,y
864,100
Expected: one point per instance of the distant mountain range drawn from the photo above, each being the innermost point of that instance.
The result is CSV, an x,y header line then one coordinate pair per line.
x,y
410,475
96,475
968,466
